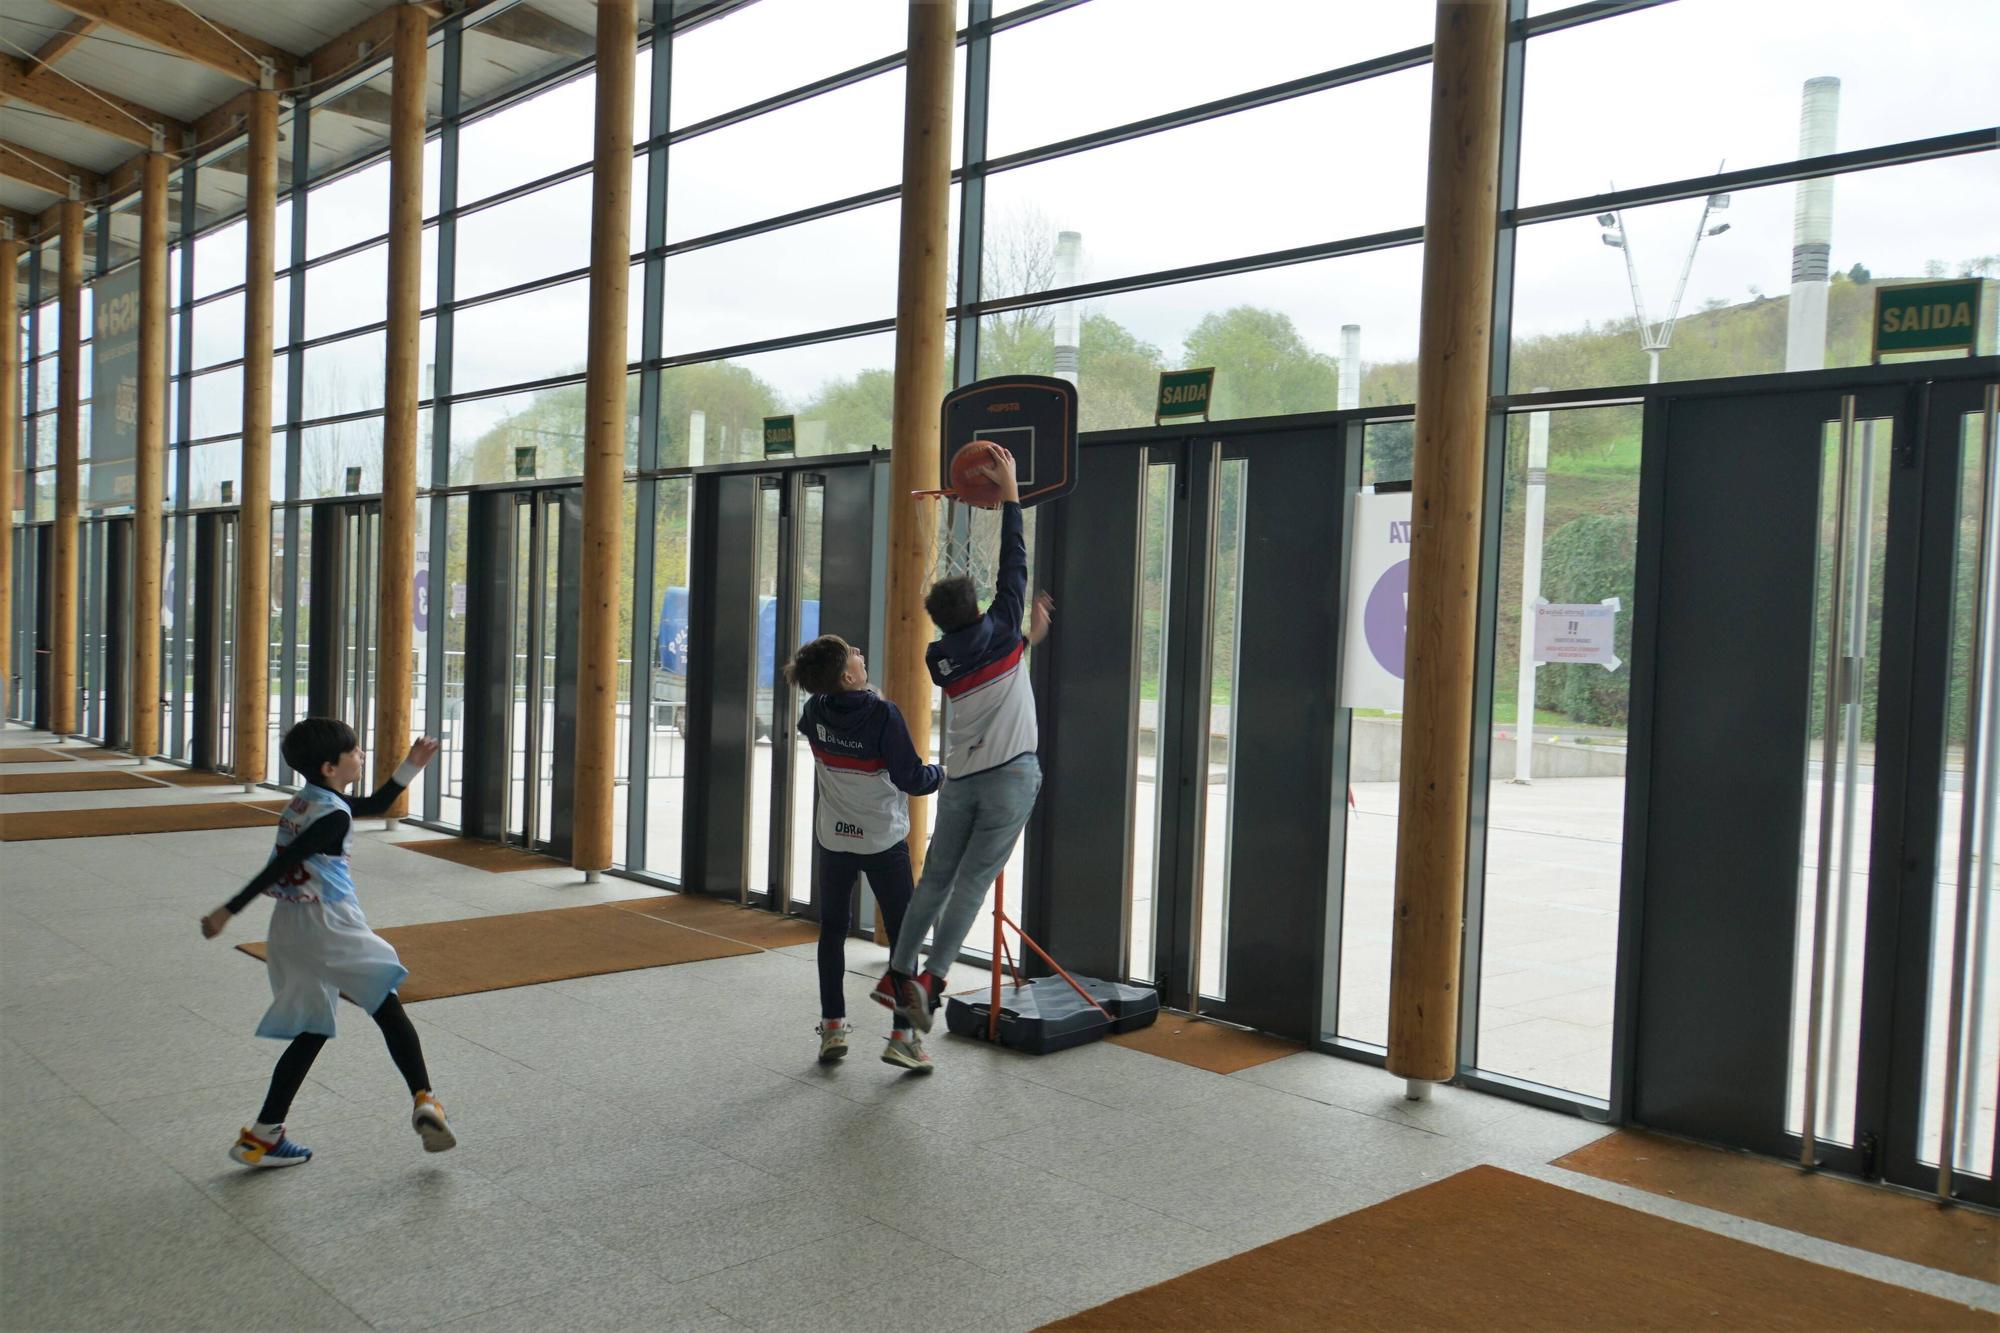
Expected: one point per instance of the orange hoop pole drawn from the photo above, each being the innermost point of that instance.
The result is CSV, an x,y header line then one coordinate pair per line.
x,y
1042,954
999,943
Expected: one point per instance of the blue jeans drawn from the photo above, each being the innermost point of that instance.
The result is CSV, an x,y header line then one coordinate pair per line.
x,y
978,820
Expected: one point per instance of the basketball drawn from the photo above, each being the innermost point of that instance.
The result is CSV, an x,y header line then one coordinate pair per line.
x,y
972,485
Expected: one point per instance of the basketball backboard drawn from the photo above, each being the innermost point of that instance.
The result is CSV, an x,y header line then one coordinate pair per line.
x,y
1033,417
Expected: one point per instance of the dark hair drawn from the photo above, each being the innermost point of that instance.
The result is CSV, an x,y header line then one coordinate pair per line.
x,y
952,603
316,742
818,666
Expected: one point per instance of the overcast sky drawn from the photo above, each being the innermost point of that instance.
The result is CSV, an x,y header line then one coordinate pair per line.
x,y
1631,101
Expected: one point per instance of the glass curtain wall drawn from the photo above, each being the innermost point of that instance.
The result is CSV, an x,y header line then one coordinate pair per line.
x,y
1154,215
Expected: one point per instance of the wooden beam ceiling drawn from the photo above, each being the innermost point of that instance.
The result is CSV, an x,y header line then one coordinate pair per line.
x,y
78,29
33,167
172,28
56,93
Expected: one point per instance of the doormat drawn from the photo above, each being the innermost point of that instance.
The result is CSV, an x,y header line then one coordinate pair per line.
x,y
1216,1047
105,754
76,779
745,925
1487,1248
30,754
191,777
482,855
1847,1212
35,825
487,953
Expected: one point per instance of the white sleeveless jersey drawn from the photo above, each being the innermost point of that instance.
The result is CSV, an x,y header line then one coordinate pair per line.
x,y
319,878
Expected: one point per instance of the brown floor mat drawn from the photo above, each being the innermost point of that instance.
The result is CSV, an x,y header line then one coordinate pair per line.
x,y
30,754
102,823
747,925
191,777
480,855
85,779
488,953
104,754
1902,1226
1490,1249
1216,1047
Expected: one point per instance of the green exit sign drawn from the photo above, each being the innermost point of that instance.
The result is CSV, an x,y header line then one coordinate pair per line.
x,y
780,436
1927,316
1184,393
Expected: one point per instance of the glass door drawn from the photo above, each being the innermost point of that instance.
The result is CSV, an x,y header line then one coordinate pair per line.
x,y
342,599
546,529
790,524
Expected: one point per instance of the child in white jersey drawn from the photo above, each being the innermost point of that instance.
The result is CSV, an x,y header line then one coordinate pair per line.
x,y
867,771
991,773
320,946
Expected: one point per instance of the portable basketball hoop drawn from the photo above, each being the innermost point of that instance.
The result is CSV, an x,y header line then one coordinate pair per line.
x,y
1034,418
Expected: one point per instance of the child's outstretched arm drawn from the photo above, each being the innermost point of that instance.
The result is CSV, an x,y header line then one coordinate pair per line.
x,y
1010,584
323,836
422,750
907,768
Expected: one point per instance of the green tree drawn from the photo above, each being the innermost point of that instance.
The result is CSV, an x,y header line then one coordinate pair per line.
x,y
1263,367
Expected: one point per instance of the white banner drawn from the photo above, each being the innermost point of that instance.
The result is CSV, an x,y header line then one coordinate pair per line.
x,y
1378,603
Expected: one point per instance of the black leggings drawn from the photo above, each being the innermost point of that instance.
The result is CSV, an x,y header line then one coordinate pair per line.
x,y
297,1061
889,876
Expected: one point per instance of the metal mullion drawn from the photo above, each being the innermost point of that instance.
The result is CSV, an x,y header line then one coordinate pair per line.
x,y
184,531
645,500
513,193
884,325
436,665
294,403
1487,609
972,191
1394,63
792,97
1576,16
1781,173
1220,268
1353,436
763,226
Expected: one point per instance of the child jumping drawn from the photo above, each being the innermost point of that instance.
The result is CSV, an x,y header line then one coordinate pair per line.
x,y
991,773
321,947
867,771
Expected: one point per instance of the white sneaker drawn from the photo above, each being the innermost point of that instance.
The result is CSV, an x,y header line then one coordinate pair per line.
x,y
427,1118
908,1053
832,1042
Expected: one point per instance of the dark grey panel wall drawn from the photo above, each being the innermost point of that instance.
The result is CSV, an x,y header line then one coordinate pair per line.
x,y
325,622
117,629
1736,530
211,567
722,649
489,657
566,549
1282,714
1086,684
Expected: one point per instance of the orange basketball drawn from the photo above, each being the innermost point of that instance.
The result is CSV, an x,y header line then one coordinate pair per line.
x,y
973,486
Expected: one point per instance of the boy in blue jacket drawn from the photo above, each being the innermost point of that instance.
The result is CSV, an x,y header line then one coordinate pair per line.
x,y
992,774
867,771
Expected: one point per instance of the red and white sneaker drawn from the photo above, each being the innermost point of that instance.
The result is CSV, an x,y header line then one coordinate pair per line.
x,y
884,993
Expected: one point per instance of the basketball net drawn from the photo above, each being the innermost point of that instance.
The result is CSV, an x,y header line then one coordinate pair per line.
x,y
967,544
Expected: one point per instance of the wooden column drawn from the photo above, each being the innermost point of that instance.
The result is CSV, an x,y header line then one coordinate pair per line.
x,y
1460,230
69,451
150,485
604,439
922,266
395,679
10,449
253,524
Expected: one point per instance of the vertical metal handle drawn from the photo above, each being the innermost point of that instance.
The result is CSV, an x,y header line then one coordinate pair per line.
x,y
1981,771
1836,650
